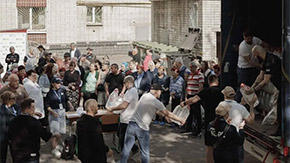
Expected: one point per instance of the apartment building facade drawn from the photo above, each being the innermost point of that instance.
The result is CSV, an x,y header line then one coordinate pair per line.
x,y
66,21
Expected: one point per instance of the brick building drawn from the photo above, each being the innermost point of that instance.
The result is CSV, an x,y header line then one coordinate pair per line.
x,y
65,21
173,19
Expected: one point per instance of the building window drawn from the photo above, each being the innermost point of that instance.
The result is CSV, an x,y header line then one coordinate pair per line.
x,y
94,15
31,18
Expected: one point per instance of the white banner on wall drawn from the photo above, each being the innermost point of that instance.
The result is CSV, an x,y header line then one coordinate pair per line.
x,y
16,38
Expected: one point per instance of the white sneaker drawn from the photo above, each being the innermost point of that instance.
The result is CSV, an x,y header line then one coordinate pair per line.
x,y
56,153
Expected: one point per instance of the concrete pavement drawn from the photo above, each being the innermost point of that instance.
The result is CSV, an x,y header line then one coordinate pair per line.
x,y
167,145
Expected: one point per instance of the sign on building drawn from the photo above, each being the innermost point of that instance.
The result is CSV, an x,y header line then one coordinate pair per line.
x,y
16,38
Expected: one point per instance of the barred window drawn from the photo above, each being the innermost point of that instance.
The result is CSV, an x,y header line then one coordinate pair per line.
x,y
94,15
31,17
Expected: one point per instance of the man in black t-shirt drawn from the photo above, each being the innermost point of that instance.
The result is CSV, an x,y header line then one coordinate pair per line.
x,y
24,134
210,98
114,80
271,72
12,57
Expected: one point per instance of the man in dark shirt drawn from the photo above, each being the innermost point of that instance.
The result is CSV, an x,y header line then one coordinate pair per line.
x,y
91,145
114,80
12,57
24,135
271,72
210,98
45,60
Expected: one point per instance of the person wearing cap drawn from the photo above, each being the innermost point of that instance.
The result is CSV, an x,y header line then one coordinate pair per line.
x,y
224,137
238,113
56,103
90,56
138,126
45,60
12,57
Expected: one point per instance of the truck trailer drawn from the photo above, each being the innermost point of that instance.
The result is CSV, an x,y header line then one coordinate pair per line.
x,y
268,20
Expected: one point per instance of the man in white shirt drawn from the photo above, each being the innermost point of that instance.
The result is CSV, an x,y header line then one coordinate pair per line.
x,y
238,112
74,52
35,92
248,68
128,107
138,126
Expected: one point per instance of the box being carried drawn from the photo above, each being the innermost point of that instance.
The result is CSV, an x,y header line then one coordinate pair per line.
x,y
114,100
182,112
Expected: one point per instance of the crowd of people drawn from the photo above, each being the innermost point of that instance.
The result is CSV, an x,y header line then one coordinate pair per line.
x,y
36,95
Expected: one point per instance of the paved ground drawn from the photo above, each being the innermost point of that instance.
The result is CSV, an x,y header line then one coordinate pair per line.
x,y
166,146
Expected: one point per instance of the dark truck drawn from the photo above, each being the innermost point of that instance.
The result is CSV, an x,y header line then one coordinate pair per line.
x,y
270,21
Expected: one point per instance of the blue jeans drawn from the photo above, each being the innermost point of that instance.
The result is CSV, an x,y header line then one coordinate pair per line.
x,y
134,131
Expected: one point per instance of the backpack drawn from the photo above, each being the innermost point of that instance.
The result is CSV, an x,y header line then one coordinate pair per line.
x,y
69,149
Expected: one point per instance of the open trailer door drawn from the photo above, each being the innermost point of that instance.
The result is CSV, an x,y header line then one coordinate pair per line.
x,y
270,21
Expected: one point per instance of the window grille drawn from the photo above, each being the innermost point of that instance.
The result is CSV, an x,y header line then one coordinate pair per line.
x,y
94,15
31,17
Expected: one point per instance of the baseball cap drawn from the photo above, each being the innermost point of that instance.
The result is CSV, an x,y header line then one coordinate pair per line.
x,y
222,109
90,49
56,80
228,91
156,86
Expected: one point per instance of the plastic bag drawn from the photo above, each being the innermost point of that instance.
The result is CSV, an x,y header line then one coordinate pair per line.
x,y
268,97
248,98
182,112
114,99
